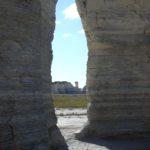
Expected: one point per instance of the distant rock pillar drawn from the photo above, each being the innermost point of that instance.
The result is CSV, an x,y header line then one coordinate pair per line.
x,y
77,84
118,71
27,119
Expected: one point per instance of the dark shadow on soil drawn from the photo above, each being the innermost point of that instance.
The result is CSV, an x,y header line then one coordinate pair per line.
x,y
122,144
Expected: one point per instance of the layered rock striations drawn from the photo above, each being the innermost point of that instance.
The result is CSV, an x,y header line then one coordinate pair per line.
x,y
118,37
27,119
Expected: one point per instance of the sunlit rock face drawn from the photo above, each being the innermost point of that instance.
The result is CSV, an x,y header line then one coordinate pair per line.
x,y
118,73
27,120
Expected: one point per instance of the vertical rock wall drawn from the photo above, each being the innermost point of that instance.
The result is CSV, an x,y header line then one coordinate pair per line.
x,y
118,73
27,120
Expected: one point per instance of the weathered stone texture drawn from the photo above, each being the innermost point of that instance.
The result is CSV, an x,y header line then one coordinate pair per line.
x,y
118,36
26,109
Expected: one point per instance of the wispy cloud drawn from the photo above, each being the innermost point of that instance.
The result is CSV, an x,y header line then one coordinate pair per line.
x,y
58,22
67,35
71,12
81,31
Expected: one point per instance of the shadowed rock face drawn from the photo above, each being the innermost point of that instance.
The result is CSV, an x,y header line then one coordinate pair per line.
x,y
27,119
118,36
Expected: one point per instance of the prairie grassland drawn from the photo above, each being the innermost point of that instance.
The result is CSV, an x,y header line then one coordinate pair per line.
x,y
70,101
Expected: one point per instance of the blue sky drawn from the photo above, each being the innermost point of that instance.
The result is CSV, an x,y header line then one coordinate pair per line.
x,y
69,45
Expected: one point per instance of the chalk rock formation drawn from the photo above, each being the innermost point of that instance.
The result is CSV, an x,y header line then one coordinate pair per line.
x,y
27,119
64,87
118,36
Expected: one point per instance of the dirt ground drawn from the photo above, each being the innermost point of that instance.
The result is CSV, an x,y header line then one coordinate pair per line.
x,y
71,121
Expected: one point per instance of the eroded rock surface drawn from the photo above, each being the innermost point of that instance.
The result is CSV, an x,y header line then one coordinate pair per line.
x,y
27,119
118,36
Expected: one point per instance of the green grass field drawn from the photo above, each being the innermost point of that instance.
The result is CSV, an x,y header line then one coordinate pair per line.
x,y
70,101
